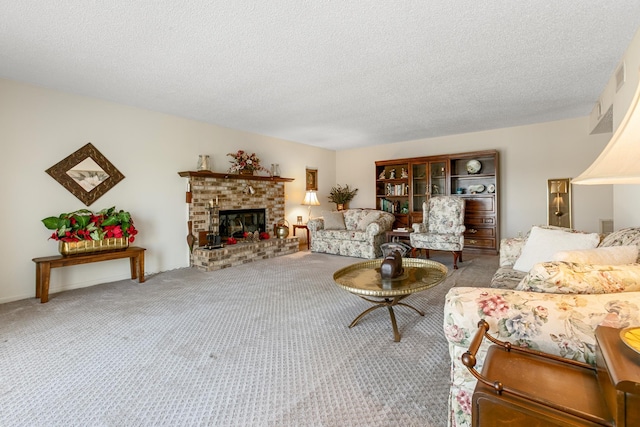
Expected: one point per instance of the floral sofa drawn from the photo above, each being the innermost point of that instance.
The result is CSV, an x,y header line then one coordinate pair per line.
x,y
554,308
352,232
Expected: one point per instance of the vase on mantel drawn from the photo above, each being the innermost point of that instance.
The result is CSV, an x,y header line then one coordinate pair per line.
x,y
246,172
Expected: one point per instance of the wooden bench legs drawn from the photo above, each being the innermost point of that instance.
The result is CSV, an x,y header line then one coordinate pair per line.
x,y
45,264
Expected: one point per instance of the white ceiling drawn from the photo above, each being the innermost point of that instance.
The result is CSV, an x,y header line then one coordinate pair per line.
x,y
333,73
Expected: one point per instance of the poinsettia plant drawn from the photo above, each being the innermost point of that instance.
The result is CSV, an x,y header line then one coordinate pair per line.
x,y
245,161
84,224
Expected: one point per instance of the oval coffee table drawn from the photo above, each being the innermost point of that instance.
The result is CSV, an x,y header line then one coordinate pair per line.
x,y
363,279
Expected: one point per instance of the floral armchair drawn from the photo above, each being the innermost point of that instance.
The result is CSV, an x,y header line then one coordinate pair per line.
x,y
442,227
554,308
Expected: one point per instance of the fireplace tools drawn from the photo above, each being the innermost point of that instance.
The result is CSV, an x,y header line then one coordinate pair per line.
x,y
214,241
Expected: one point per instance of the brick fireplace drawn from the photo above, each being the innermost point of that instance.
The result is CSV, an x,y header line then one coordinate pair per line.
x,y
235,192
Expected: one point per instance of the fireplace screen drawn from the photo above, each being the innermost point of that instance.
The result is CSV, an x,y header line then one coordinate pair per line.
x,y
234,223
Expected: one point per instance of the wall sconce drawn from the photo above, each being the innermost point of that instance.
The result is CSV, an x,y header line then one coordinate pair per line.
x,y
559,202
310,199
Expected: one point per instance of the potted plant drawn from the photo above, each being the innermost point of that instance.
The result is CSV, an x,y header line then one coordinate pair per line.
x,y
86,231
341,195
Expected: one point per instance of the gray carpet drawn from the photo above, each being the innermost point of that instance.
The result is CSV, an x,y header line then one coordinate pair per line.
x,y
262,344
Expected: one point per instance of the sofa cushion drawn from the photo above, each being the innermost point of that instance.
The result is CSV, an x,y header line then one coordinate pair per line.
x,y
506,278
543,243
574,278
612,255
623,237
367,219
333,220
352,217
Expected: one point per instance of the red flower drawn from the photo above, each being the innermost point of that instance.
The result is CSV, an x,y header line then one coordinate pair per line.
x,y
86,225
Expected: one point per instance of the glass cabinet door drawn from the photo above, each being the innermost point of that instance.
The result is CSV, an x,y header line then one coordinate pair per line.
x,y
437,178
419,186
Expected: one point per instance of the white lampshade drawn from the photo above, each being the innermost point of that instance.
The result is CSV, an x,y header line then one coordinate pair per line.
x,y
311,199
619,162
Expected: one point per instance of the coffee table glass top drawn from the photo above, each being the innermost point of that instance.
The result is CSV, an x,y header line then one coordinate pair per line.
x,y
363,278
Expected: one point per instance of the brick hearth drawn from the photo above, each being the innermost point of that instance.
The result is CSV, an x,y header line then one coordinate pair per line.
x,y
230,192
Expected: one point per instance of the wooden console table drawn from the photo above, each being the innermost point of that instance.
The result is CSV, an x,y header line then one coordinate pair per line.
x,y
45,264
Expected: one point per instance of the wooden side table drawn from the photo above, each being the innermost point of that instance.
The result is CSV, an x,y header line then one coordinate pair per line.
x,y
519,386
619,376
45,264
304,227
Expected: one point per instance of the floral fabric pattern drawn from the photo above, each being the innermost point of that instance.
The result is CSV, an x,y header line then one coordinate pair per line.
x,y
559,324
443,225
506,278
624,237
573,278
510,250
351,242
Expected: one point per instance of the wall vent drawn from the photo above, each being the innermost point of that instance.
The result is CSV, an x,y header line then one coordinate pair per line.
x,y
620,76
605,124
606,226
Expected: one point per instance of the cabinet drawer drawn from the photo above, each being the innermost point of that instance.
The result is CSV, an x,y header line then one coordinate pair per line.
x,y
416,218
480,205
478,233
401,221
470,221
472,242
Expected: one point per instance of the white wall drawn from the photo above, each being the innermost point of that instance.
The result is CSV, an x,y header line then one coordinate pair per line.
x,y
40,127
529,156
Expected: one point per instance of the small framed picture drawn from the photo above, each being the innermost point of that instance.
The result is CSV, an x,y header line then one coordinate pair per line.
x,y
312,179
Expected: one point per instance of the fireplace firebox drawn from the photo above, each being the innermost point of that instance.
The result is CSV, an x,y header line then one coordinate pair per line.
x,y
234,223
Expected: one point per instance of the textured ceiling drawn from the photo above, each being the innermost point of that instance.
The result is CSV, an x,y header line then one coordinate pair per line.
x,y
335,74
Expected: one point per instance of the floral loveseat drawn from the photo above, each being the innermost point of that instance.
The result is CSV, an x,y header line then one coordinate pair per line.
x,y
554,308
352,232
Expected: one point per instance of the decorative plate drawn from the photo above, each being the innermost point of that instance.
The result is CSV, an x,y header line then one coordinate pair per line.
x,y
474,166
478,188
491,188
631,337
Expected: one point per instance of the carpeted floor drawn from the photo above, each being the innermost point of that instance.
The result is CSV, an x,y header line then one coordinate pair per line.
x,y
263,344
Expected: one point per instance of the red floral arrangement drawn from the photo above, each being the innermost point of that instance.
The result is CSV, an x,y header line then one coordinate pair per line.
x,y
264,235
84,224
245,161
232,241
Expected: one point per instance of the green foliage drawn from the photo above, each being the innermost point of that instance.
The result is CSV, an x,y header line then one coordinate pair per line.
x,y
341,195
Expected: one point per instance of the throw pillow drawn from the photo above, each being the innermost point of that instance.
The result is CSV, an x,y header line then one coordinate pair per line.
x,y
612,255
370,217
543,243
573,278
333,220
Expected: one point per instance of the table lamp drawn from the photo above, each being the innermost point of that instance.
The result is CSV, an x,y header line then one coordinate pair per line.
x,y
310,199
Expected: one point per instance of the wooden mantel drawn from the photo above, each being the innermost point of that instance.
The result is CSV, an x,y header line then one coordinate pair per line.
x,y
209,174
